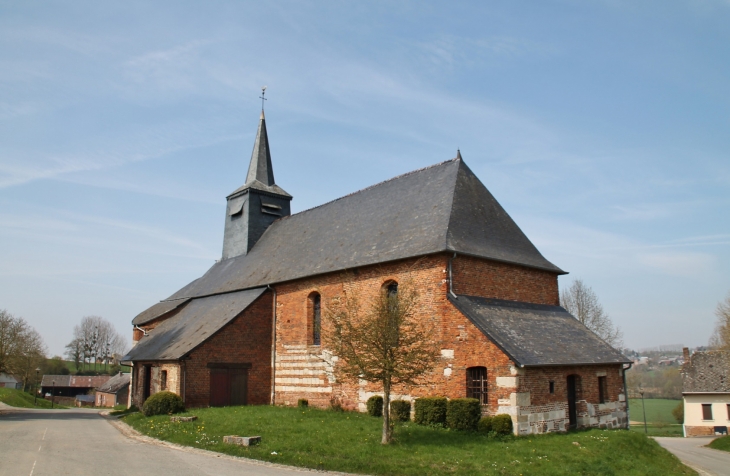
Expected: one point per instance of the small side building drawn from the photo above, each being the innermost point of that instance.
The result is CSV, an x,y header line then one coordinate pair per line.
x,y
9,381
706,393
71,385
114,392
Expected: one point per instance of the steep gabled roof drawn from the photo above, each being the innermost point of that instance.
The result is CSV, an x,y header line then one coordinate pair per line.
x,y
707,372
116,383
174,337
440,208
537,334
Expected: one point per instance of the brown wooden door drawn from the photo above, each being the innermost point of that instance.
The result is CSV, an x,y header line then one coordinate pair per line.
x,y
220,388
239,386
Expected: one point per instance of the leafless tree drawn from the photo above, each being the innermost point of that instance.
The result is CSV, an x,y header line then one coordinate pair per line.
x,y
720,339
381,341
95,342
580,300
21,347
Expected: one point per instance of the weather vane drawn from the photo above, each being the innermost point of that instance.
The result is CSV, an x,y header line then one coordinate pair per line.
x,y
263,92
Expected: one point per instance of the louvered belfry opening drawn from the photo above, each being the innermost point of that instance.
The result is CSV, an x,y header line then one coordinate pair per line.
x,y
476,384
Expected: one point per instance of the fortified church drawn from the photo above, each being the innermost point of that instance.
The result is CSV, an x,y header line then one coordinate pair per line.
x,y
249,331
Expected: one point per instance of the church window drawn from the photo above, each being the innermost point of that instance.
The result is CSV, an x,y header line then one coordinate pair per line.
x,y
602,390
476,384
316,318
163,380
552,387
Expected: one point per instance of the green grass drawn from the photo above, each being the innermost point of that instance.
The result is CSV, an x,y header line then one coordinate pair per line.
x,y
722,443
350,442
18,398
658,410
660,429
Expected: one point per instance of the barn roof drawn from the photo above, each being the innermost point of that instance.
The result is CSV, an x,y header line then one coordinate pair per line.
x,y
74,381
442,208
537,334
116,383
159,309
174,337
707,372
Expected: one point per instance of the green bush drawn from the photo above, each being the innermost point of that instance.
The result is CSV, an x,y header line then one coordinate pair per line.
x,y
485,424
163,403
502,424
678,412
302,403
375,406
431,411
400,410
463,414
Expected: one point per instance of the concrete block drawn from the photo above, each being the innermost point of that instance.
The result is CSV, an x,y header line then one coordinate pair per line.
x,y
447,372
242,440
183,418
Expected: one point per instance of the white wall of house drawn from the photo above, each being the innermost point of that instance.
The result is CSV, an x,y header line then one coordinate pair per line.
x,y
693,409
8,381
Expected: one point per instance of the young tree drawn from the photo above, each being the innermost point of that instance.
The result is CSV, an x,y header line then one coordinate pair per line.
x,y
580,300
720,339
21,347
382,341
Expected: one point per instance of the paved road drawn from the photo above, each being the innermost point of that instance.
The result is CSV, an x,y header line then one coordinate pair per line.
x,y
81,442
692,452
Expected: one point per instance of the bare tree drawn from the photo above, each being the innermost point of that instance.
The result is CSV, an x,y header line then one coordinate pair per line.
x,y
720,339
580,300
382,342
95,342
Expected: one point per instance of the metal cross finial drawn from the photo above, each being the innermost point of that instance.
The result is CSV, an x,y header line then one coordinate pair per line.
x,y
263,92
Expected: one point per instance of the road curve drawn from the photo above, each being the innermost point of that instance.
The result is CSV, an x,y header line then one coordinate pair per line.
x,y
81,442
693,453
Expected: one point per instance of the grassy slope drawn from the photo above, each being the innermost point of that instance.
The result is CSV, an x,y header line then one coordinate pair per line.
x,y
721,443
350,442
657,410
17,398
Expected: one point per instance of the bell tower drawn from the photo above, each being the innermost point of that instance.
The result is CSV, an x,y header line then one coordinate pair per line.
x,y
253,207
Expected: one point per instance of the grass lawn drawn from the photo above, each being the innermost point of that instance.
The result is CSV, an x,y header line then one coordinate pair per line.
x,y
659,429
722,443
350,442
657,410
18,398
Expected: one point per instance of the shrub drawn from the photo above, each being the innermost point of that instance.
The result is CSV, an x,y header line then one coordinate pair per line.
x,y
302,403
375,406
163,403
678,412
431,411
502,424
400,410
463,413
485,424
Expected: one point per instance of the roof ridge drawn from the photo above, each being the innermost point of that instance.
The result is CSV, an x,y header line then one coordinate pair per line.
x,y
457,159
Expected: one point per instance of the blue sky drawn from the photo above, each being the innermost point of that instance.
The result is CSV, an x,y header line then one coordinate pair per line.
x,y
601,127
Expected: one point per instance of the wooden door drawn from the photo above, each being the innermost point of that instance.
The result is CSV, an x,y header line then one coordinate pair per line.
x,y
220,388
239,386
572,411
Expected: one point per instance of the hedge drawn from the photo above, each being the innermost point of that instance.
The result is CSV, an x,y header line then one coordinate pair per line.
x,y
431,411
163,403
375,406
400,410
463,414
502,424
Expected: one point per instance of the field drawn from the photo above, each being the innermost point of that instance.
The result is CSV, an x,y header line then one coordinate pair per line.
x,y
18,398
350,442
659,419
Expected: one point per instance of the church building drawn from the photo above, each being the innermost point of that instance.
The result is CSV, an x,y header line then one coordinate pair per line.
x,y
250,330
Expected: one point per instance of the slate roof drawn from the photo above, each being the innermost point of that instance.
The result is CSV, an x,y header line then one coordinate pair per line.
x,y
195,323
159,309
707,372
75,381
536,334
442,208
116,383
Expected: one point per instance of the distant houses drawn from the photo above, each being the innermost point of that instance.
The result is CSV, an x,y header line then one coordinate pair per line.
x,y
71,385
114,392
9,381
706,393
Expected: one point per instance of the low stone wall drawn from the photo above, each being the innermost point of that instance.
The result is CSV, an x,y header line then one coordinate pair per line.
x,y
699,431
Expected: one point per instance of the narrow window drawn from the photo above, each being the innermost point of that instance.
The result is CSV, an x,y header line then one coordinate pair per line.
x,y
728,411
163,380
316,319
476,384
602,390
552,387
707,411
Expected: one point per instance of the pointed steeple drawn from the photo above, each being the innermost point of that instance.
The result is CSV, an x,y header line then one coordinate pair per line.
x,y
458,155
260,168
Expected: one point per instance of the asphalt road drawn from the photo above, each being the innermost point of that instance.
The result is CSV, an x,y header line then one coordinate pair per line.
x,y
692,452
81,442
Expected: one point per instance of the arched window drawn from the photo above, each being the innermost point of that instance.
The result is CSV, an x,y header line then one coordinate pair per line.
x,y
391,288
316,318
476,384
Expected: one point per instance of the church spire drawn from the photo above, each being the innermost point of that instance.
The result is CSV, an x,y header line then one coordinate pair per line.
x,y
260,168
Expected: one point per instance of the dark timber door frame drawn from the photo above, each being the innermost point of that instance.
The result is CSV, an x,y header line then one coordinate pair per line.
x,y
572,395
228,384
